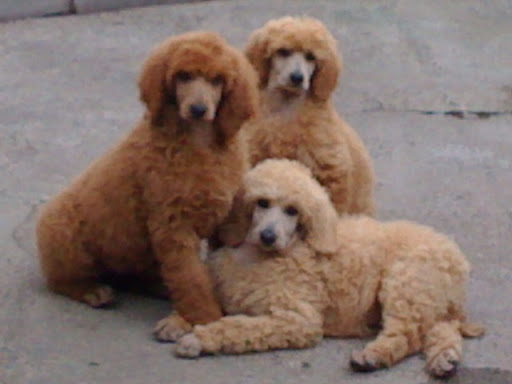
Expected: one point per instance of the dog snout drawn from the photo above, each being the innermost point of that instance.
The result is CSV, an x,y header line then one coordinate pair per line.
x,y
198,110
268,236
296,77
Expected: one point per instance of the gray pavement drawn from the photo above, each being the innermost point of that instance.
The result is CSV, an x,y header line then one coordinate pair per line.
x,y
67,93
19,9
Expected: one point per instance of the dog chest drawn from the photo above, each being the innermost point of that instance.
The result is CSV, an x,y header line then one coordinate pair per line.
x,y
255,288
193,186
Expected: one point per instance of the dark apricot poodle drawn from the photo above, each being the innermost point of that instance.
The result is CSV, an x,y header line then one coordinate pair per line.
x,y
143,207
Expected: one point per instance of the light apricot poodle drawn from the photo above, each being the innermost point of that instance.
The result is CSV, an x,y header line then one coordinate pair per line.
x,y
304,273
298,65
142,208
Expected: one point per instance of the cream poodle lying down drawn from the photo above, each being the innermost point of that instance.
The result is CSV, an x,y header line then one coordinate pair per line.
x,y
303,273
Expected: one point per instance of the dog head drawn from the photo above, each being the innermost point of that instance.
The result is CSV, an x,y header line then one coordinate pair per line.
x,y
198,77
295,56
280,205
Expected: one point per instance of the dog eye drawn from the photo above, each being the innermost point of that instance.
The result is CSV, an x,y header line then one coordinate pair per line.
x,y
283,52
291,211
184,76
217,80
310,56
263,203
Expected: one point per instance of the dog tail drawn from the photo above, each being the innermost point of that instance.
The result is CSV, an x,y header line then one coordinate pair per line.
x,y
471,329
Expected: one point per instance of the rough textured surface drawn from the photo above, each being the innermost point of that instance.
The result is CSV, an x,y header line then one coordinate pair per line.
x,y
67,92
87,6
14,9
17,9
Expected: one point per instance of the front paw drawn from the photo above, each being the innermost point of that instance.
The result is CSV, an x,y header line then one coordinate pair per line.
x,y
171,328
101,296
188,346
365,361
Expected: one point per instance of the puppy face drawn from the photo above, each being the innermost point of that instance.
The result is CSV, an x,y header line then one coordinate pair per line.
x,y
281,207
275,225
300,44
197,96
197,77
291,71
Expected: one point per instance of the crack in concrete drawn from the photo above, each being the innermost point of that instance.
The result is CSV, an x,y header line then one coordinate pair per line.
x,y
72,7
487,375
464,114
456,113
70,11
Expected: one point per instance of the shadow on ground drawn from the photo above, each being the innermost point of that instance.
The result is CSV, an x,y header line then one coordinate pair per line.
x,y
478,376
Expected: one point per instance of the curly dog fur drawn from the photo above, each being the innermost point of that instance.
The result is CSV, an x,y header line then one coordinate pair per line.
x,y
142,208
298,119
339,277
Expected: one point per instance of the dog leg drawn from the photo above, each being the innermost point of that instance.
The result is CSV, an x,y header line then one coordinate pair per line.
x,y
281,329
333,168
171,328
397,339
443,348
185,276
72,272
69,269
89,292
191,289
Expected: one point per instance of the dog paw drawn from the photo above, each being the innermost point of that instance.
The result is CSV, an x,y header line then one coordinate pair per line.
x,y
188,346
365,361
100,297
171,328
445,364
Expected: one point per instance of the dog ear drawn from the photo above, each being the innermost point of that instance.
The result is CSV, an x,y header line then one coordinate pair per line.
x,y
239,101
321,223
234,228
152,82
256,52
325,78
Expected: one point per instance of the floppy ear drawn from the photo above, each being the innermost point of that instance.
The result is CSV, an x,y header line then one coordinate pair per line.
x,y
239,99
321,224
234,228
152,82
325,78
256,52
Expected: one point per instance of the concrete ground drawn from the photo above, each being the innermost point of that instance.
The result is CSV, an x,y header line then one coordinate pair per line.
x,y
428,84
19,9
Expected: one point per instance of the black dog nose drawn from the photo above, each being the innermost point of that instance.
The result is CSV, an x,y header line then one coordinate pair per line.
x,y
198,110
296,78
268,236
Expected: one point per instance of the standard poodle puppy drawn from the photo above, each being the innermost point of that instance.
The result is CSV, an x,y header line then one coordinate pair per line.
x,y
304,273
298,65
142,208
